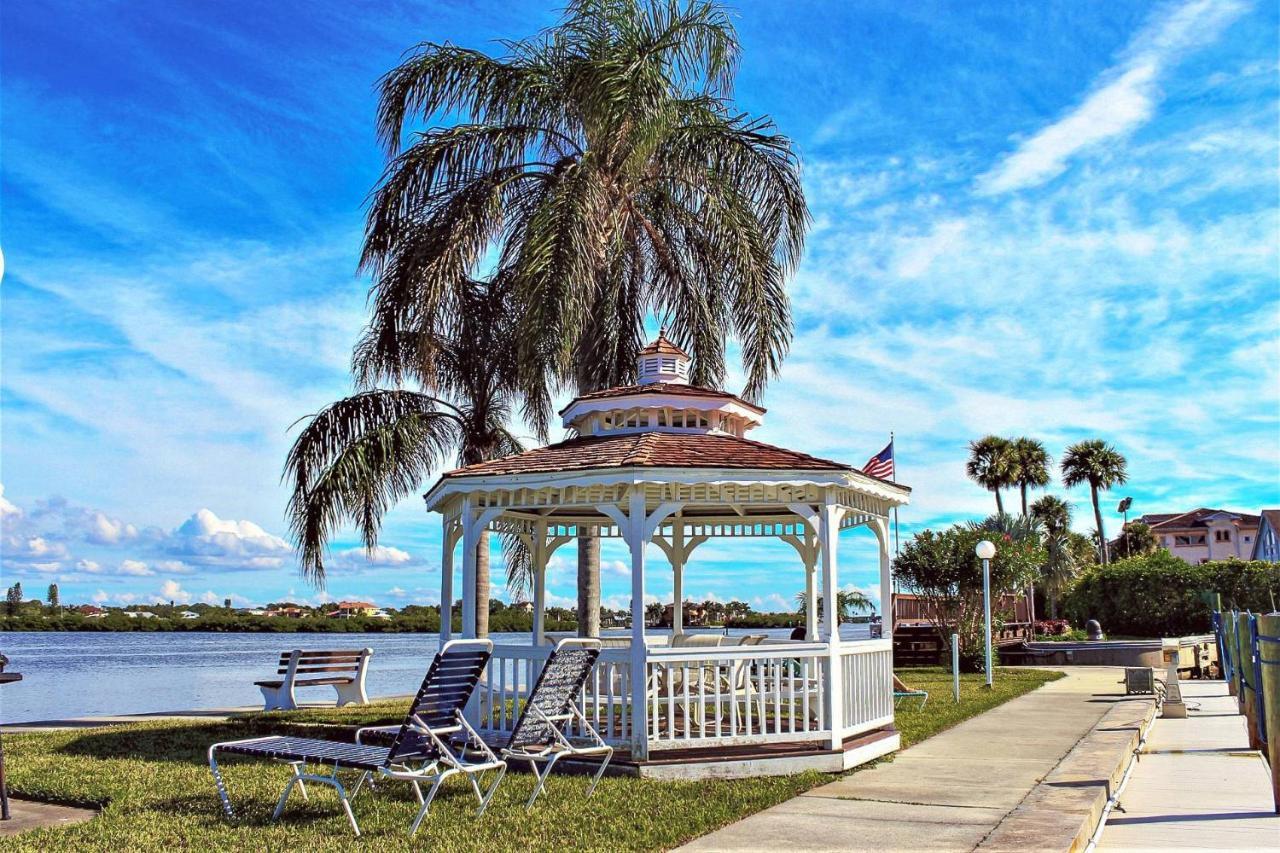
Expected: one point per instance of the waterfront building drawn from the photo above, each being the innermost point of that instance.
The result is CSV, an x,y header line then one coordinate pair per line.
x,y
1204,534
1266,544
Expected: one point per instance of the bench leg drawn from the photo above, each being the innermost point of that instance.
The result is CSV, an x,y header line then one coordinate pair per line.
x,y
351,694
278,698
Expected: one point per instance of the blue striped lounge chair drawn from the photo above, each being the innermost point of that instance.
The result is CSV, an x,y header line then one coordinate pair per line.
x,y
551,726
420,750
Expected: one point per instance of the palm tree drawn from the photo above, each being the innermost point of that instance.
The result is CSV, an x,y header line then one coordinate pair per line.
x,y
1059,567
1053,513
605,165
1097,463
1032,463
992,465
355,459
848,602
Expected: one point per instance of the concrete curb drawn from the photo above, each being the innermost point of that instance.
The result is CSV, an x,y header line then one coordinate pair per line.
x,y
1062,812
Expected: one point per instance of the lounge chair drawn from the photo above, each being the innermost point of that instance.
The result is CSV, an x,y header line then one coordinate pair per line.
x,y
541,735
418,751
902,691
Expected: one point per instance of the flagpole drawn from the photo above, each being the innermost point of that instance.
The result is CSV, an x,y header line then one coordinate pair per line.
x,y
893,451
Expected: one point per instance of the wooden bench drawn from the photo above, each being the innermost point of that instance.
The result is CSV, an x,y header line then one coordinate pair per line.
x,y
343,670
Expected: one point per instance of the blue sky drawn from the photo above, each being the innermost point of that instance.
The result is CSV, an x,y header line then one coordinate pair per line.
x,y
1051,219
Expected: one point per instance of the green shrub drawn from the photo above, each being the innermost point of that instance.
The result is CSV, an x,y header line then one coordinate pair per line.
x,y
1159,595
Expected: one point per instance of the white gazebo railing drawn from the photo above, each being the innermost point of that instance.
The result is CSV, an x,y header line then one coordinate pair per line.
x,y
709,696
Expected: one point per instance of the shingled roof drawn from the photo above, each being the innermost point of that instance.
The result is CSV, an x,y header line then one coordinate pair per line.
x,y
662,345
674,389
1194,518
651,450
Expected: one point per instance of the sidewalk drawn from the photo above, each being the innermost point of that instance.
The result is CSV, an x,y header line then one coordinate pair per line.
x,y
1197,785
947,793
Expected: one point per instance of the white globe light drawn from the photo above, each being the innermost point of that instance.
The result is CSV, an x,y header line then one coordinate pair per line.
x,y
985,550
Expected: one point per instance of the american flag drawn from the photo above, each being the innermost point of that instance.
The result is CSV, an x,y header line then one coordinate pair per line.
x,y
881,465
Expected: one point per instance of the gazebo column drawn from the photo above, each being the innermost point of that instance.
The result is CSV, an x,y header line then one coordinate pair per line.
x,y
474,521
829,515
881,528
678,550
540,552
807,548
637,528
452,531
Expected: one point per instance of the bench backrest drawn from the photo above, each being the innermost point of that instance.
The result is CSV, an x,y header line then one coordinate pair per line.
x,y
448,685
558,687
313,661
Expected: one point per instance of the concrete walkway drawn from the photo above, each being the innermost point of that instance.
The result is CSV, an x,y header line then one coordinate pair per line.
x,y
949,792
1197,785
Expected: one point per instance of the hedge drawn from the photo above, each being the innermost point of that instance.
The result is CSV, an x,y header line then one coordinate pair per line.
x,y
1159,595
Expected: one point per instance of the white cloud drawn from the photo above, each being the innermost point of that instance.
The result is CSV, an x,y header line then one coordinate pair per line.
x,y
1126,100
7,508
134,568
101,530
772,603
382,556
101,597
171,590
89,566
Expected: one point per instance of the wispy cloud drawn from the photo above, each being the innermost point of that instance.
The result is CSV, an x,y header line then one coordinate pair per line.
x,y
1124,98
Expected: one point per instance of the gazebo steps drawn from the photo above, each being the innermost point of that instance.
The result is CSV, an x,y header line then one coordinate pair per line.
x,y
734,762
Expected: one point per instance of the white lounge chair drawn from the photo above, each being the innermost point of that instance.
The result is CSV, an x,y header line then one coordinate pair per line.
x,y
418,751
542,733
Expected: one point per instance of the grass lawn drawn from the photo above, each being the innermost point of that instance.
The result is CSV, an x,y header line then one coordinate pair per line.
x,y
153,787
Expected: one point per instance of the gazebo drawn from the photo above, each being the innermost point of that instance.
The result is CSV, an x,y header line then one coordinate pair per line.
x,y
668,463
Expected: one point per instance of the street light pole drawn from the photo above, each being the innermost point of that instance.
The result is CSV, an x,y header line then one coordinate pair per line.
x,y
985,551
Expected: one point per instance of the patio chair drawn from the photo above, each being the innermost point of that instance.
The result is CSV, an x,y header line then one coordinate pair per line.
x,y
541,733
902,691
419,749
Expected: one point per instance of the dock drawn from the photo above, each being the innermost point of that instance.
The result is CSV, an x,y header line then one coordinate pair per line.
x,y
1196,784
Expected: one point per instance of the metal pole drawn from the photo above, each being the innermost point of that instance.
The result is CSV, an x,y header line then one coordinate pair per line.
x,y
986,611
955,666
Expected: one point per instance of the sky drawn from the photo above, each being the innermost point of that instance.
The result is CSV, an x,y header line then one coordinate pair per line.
x,y
1053,219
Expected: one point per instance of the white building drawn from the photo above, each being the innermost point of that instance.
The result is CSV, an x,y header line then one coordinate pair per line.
x,y
1204,534
1266,544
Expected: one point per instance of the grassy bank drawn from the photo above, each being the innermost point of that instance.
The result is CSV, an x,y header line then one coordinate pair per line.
x,y
154,790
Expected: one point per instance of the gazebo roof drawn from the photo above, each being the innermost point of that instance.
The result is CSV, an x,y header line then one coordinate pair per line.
x,y
667,388
651,450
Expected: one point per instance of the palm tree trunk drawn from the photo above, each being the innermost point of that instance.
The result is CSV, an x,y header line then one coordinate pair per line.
x,y
1102,536
1052,592
588,586
999,502
1024,498
482,585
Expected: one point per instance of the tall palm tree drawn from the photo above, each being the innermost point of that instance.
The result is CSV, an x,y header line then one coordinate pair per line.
x,y
1053,513
1097,463
1032,463
992,465
605,165
359,456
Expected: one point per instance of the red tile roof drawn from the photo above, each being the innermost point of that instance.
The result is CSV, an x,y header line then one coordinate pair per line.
x,y
669,388
663,345
1194,518
651,450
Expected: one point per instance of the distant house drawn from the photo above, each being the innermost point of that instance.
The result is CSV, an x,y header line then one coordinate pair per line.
x,y
91,611
189,614
694,614
288,611
139,614
347,609
522,606
1204,534
1266,544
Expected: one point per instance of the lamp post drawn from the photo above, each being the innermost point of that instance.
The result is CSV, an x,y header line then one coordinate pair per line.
x,y
985,551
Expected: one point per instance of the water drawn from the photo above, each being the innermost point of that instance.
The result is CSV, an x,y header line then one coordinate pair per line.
x,y
87,673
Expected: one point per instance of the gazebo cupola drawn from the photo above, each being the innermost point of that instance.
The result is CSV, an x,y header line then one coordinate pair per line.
x,y
662,401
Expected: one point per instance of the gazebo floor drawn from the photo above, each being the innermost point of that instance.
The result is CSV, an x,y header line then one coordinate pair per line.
x,y
766,759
